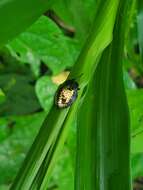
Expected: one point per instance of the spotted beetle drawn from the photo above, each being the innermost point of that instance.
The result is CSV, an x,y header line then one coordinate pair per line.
x,y
66,94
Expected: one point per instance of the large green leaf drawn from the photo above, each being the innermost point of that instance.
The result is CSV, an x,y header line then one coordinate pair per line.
x,y
16,16
103,142
44,42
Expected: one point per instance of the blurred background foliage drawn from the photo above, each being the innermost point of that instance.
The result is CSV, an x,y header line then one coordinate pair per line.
x,y
31,68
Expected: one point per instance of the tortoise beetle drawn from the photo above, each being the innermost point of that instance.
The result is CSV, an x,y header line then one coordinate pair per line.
x,y
66,94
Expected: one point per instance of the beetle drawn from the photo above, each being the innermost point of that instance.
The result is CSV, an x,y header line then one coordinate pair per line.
x,y
66,94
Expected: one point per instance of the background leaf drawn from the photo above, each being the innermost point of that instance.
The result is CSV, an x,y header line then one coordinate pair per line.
x,y
17,133
44,42
13,19
45,90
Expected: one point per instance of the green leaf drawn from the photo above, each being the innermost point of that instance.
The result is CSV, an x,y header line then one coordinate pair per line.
x,y
20,95
86,64
69,11
45,42
137,141
133,57
128,82
103,136
10,65
45,90
16,16
65,165
16,136
135,99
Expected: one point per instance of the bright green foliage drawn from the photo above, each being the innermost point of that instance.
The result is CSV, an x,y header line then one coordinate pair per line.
x,y
104,134
75,8
27,65
16,16
17,133
33,45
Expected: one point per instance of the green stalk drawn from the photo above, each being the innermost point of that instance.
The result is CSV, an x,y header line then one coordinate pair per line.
x,y
103,141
